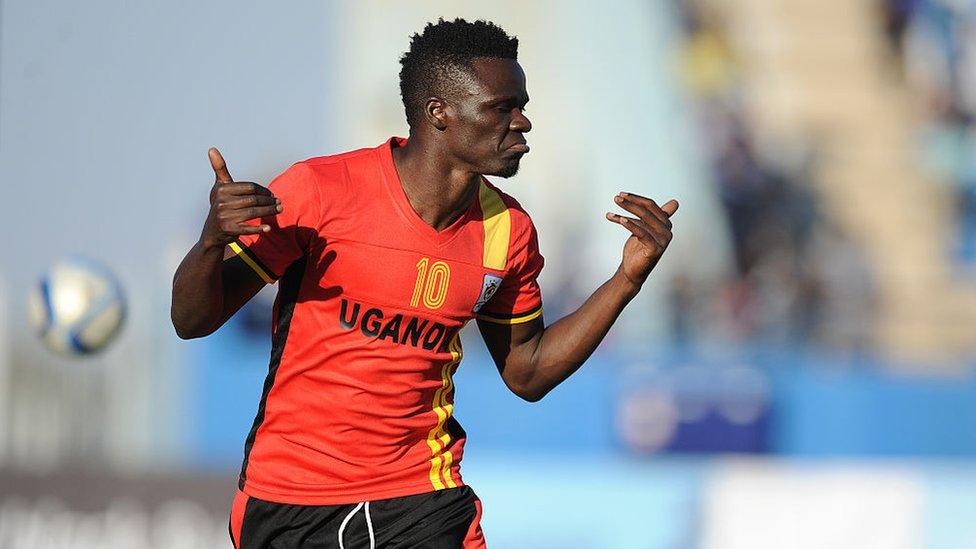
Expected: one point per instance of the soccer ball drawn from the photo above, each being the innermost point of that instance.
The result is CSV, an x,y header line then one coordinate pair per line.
x,y
77,307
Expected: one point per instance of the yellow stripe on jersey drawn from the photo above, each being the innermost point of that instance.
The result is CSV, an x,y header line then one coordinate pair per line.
x,y
498,228
514,320
253,264
439,438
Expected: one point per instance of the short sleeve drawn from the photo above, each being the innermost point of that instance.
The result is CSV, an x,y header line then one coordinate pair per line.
x,y
519,298
270,253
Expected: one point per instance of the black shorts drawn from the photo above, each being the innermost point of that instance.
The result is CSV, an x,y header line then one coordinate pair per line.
x,y
444,519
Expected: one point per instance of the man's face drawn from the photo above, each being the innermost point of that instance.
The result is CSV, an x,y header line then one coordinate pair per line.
x,y
488,123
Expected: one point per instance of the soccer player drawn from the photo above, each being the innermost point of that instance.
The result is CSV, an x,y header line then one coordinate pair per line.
x,y
381,256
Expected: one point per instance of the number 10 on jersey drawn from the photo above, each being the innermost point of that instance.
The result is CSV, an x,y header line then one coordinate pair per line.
x,y
431,286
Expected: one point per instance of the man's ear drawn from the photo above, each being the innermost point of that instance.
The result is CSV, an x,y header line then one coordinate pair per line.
x,y
435,110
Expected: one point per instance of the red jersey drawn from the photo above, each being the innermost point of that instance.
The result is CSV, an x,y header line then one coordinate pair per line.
x,y
358,402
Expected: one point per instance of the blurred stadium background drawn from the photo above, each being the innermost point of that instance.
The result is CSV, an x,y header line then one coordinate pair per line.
x,y
799,372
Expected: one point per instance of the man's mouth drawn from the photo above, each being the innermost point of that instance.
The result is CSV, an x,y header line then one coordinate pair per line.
x,y
520,148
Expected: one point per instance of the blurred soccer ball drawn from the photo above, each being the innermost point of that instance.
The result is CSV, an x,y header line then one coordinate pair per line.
x,y
77,307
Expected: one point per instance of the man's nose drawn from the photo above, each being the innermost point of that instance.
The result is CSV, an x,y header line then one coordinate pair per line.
x,y
520,122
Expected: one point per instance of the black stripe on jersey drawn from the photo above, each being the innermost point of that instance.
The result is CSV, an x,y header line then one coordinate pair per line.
x,y
253,256
455,430
288,288
510,316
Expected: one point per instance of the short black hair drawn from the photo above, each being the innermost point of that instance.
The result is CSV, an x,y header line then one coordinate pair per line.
x,y
442,53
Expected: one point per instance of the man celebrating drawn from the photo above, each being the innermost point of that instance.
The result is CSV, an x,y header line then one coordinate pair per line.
x,y
382,256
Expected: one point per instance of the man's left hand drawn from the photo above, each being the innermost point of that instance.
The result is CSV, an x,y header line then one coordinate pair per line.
x,y
650,234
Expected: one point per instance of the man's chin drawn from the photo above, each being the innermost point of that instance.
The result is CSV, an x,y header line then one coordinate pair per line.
x,y
508,170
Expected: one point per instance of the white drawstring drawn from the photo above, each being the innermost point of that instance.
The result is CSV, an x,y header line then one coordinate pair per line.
x,y
369,525
345,521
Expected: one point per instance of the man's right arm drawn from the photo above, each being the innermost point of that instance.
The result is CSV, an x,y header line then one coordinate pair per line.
x,y
210,285
212,282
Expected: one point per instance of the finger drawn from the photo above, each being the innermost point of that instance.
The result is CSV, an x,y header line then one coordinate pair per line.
x,y
245,188
670,207
252,229
249,200
645,203
667,209
642,212
636,228
257,212
219,166
660,232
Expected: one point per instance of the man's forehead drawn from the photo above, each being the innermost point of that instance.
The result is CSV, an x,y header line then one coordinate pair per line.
x,y
493,77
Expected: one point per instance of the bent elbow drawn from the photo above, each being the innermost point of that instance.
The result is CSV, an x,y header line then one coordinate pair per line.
x,y
191,334
529,394
184,331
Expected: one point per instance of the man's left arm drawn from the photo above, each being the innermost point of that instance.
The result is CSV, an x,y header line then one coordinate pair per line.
x,y
533,358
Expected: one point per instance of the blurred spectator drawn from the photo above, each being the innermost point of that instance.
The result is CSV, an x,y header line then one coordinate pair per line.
x,y
780,292
846,290
934,42
897,14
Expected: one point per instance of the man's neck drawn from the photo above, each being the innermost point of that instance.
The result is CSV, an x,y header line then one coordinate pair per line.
x,y
438,190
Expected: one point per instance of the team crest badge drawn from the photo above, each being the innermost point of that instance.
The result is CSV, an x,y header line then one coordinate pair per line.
x,y
488,289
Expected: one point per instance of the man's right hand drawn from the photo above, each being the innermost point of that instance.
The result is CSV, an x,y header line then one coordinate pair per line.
x,y
232,204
